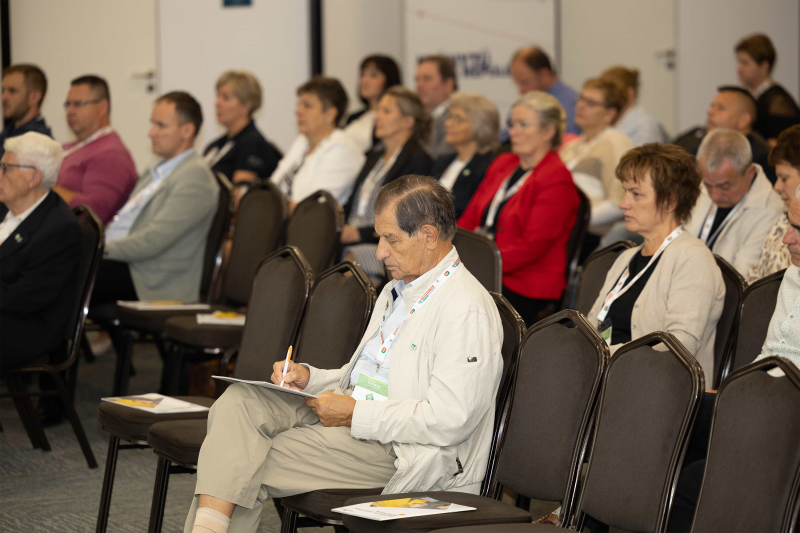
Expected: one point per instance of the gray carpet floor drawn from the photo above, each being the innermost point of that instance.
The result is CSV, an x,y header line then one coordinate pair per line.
x,y
56,492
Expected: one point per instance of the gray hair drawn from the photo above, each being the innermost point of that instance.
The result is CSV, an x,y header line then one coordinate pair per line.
x,y
483,116
720,145
419,200
40,151
549,111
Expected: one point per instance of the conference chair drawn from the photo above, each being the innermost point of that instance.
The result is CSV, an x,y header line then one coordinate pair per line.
x,y
315,227
482,258
646,412
752,472
547,421
592,275
90,255
314,508
728,324
755,313
327,336
574,247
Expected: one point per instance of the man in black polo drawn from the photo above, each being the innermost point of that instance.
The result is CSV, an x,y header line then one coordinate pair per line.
x,y
24,87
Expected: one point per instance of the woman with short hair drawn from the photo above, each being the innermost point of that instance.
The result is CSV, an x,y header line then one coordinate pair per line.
x,y
322,156
671,282
377,74
472,126
634,121
528,204
242,154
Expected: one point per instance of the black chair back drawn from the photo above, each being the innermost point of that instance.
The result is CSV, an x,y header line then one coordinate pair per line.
x,y
336,316
593,273
752,476
549,412
647,410
727,325
755,313
280,290
259,226
212,259
574,247
315,227
482,258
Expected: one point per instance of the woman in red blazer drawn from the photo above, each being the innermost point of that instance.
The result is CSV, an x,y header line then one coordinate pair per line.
x,y
528,204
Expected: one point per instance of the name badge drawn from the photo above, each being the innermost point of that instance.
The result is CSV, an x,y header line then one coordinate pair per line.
x,y
371,388
605,330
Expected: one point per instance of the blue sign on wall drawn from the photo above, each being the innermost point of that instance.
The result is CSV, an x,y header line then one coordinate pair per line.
x,y
234,3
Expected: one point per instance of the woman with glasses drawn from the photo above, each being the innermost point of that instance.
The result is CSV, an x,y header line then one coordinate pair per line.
x,y
593,157
378,73
471,127
528,204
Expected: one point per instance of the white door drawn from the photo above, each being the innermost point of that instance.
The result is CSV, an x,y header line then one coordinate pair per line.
x,y
115,39
633,33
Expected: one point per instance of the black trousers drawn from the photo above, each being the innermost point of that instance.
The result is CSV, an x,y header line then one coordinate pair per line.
x,y
113,283
531,310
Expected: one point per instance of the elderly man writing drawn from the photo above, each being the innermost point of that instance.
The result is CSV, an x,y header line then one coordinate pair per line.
x,y
430,360
39,252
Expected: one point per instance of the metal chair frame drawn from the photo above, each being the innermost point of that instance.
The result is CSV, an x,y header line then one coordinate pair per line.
x,y
723,347
322,197
574,247
497,283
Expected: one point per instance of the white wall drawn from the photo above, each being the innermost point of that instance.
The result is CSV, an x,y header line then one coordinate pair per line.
x,y
707,32
200,39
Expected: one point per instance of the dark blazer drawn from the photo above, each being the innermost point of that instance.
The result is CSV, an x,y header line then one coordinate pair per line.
x,y
38,287
468,181
412,159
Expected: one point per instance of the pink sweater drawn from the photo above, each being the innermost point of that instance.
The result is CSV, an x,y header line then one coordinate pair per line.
x,y
102,174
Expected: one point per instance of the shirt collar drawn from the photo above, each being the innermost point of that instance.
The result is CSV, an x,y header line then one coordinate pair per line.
x,y
165,168
440,109
22,216
761,89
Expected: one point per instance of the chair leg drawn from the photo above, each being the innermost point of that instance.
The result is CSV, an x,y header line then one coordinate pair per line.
x,y
72,380
108,484
289,521
77,427
159,496
124,349
172,371
27,413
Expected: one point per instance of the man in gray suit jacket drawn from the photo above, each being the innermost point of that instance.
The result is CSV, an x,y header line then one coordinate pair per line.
x,y
436,81
155,244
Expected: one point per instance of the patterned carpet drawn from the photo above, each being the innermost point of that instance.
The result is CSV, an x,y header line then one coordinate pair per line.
x,y
56,492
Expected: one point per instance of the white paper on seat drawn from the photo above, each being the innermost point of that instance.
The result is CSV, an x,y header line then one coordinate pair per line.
x,y
221,318
156,403
401,508
266,385
162,305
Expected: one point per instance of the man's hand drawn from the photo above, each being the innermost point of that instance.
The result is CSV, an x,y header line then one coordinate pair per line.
x,y
333,410
296,376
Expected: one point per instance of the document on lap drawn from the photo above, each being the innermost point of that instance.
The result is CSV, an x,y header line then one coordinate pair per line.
x,y
266,385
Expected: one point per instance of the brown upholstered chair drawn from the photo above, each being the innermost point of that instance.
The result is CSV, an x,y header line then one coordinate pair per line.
x,y
315,227
728,323
593,273
482,258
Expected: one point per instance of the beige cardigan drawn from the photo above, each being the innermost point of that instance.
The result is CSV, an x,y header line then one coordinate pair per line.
x,y
684,296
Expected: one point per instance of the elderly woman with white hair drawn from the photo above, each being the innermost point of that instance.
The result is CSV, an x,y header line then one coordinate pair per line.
x,y
39,252
528,204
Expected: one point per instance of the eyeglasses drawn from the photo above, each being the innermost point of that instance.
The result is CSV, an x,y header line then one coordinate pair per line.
x,y
518,124
590,102
80,103
458,119
5,166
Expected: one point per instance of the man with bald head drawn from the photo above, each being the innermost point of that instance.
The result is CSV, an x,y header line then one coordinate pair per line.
x,y
734,109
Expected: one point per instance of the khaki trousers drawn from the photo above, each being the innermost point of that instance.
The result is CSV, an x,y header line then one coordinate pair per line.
x,y
264,444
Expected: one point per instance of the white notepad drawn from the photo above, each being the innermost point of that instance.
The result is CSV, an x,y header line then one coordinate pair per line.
x,y
266,385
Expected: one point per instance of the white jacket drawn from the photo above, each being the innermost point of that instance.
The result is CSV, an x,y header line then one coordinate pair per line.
x,y
440,411
742,238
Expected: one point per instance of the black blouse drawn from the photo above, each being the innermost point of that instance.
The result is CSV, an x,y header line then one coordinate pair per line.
x,y
622,308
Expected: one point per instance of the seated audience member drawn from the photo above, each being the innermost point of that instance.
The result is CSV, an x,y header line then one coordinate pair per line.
x,y
40,243
378,73
671,283
98,170
593,157
471,126
528,204
24,88
634,121
155,245
734,109
737,206
777,110
785,157
532,70
322,156
242,154
264,444
436,81
402,125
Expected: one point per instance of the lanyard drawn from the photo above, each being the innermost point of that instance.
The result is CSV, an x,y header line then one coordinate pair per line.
x,y
712,214
213,157
102,132
620,288
386,343
503,194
